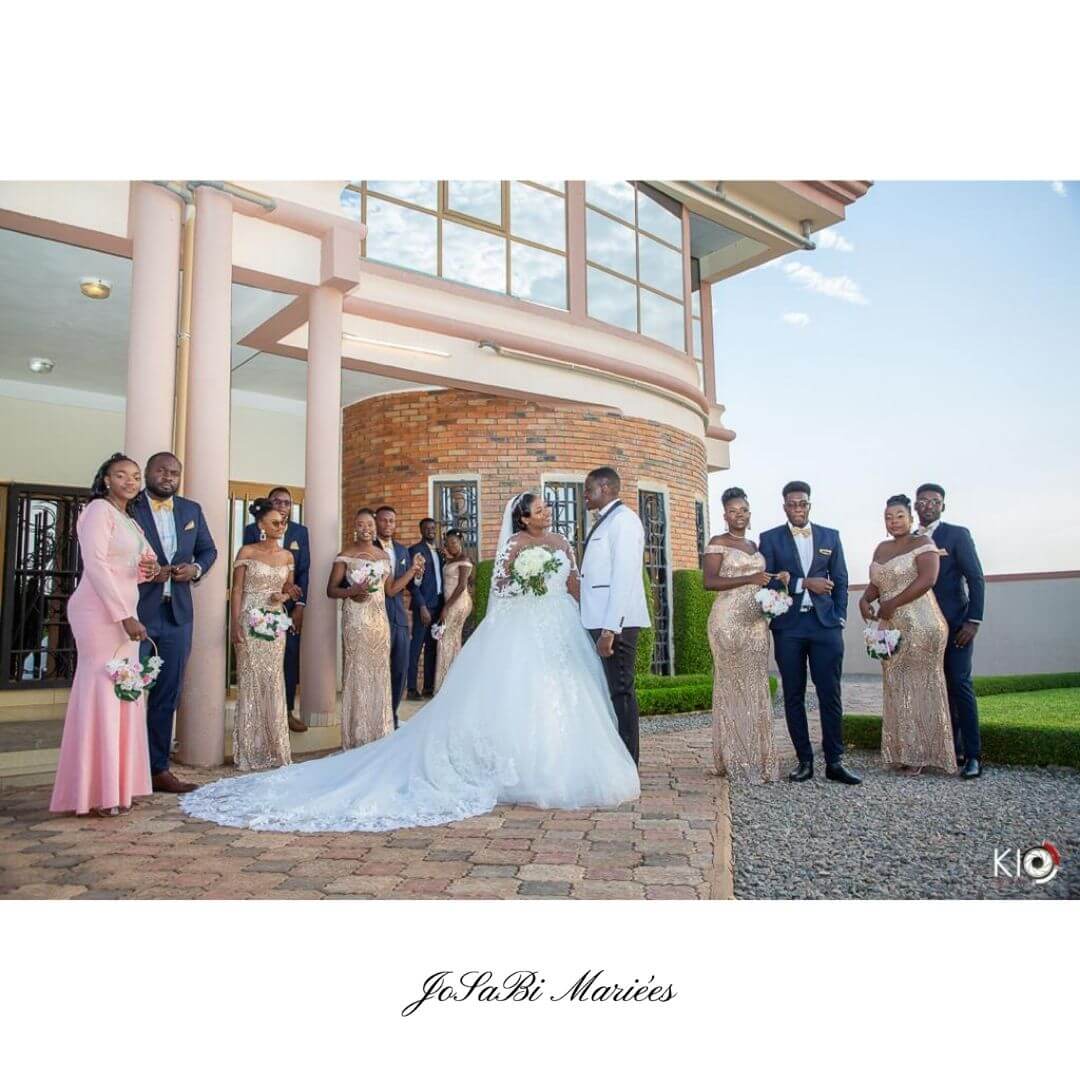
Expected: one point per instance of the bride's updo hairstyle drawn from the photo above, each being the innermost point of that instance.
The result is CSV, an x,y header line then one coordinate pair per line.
x,y
898,500
522,510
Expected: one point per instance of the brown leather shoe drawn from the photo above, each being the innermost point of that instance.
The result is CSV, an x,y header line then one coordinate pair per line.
x,y
296,724
166,782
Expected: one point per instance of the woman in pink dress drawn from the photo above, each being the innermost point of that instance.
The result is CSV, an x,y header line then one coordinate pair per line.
x,y
104,760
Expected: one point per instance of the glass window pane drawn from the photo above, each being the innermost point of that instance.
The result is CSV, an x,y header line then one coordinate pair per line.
x,y
478,198
557,185
701,377
661,267
658,220
350,203
614,196
612,300
609,243
401,236
537,275
536,215
662,319
474,257
695,303
421,192
695,326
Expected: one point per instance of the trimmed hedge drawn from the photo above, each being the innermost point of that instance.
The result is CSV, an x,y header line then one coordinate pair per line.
x,y
692,605
659,695
484,570
646,641
989,685
1039,727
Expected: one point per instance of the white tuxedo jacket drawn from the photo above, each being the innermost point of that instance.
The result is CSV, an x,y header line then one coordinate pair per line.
x,y
612,588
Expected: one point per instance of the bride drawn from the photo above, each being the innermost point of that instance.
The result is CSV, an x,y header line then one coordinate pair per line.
x,y
523,716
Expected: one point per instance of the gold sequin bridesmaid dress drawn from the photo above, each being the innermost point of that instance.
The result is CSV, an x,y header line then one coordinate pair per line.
x,y
367,711
453,618
915,726
742,727
261,726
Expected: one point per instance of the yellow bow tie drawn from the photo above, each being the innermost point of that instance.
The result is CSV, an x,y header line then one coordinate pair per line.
x,y
800,532
161,504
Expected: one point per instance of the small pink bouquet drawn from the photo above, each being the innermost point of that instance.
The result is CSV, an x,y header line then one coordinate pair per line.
x,y
773,602
438,630
369,574
130,678
881,644
267,625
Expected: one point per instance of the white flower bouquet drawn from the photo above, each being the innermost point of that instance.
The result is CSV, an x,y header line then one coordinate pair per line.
x,y
130,678
267,625
370,574
531,570
773,602
881,644
438,630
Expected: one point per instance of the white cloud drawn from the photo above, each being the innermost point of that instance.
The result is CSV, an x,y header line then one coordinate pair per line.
x,y
828,239
796,318
840,287
1058,188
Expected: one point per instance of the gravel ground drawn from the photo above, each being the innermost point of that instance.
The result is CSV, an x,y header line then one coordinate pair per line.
x,y
904,837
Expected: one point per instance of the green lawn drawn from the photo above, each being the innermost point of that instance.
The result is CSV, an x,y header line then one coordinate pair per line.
x,y
1040,727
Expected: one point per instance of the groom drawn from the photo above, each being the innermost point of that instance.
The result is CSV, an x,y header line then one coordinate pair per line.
x,y
613,606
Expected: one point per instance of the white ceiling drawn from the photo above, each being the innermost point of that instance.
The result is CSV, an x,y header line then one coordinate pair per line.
x,y
43,313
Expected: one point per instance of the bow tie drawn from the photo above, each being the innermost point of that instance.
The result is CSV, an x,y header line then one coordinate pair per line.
x,y
161,504
800,532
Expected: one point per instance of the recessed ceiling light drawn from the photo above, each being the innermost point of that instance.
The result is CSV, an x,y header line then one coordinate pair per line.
x,y
95,288
41,365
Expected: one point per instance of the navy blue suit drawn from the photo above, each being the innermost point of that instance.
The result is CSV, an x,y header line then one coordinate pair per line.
x,y
960,592
427,594
815,637
399,627
168,620
296,541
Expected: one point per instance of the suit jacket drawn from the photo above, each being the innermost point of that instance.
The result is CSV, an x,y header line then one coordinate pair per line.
x,y
194,544
296,541
612,583
427,592
395,605
960,589
778,547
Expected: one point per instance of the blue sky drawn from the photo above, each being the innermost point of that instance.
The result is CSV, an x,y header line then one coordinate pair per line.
x,y
934,335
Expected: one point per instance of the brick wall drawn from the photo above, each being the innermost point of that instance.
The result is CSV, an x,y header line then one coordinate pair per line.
x,y
392,444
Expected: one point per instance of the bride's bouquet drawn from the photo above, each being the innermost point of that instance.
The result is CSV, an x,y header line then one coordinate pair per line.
x,y
370,574
773,602
881,644
531,570
267,625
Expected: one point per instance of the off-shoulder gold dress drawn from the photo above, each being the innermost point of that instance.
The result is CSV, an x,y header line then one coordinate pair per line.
x,y
453,618
742,727
915,726
261,724
367,711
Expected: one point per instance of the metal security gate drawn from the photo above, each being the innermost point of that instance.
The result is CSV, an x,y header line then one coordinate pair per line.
x,y
654,520
567,501
41,569
457,506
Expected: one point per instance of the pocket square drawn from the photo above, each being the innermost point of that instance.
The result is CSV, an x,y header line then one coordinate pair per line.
x,y
189,525
824,551
294,546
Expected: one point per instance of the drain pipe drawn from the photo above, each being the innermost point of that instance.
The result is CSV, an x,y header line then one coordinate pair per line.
x,y
717,195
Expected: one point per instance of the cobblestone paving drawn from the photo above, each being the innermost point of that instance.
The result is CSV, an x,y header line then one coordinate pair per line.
x,y
659,848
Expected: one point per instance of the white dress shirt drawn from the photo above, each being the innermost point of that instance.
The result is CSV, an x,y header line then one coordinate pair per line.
x,y
165,523
804,545
929,530
434,560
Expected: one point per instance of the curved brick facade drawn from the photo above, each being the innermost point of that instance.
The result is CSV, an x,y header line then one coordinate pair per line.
x,y
393,445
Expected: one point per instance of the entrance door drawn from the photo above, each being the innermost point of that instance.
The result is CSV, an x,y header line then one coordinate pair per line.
x,y
654,520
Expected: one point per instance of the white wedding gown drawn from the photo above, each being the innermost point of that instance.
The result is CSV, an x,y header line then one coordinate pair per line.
x,y
523,716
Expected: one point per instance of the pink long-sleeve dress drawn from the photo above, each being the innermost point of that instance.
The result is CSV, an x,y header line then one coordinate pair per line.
x,y
104,760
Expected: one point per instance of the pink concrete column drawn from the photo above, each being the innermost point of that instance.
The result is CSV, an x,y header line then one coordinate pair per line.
x,y
575,248
201,724
154,226
322,505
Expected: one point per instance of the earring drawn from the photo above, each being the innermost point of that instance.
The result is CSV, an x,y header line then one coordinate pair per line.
x,y
262,534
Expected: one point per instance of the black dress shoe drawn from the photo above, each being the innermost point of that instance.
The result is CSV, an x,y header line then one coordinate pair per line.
x,y
841,775
803,771
414,695
971,769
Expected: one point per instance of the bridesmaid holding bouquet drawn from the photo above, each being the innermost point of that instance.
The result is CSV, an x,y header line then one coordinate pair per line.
x,y
104,757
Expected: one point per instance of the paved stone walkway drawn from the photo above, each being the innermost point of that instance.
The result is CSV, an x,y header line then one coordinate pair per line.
x,y
673,843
